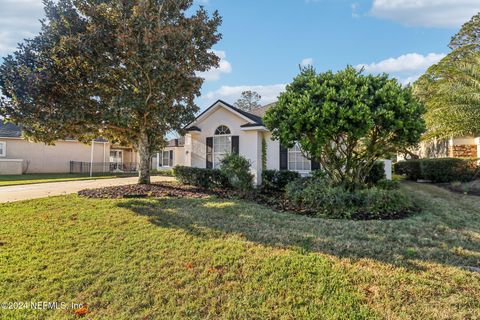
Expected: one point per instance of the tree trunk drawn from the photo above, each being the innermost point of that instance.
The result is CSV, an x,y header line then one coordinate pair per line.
x,y
145,159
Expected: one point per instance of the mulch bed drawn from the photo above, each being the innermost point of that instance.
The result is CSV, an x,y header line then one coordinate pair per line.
x,y
165,189
155,190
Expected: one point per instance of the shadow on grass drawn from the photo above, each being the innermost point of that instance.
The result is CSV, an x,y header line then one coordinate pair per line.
x,y
446,232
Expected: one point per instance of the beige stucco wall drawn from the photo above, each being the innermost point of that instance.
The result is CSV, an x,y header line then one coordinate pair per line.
x,y
273,152
56,158
11,166
178,157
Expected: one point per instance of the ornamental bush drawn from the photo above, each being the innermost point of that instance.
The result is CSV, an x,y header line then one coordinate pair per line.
x,y
200,177
277,180
446,169
317,196
376,174
437,170
237,171
346,121
409,168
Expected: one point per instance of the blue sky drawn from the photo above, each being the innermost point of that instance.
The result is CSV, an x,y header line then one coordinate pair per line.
x,y
265,41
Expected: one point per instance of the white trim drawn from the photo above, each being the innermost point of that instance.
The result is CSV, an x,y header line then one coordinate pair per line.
x,y
160,157
4,149
257,128
288,161
213,109
219,136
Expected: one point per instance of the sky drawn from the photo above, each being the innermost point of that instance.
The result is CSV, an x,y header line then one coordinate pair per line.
x,y
266,41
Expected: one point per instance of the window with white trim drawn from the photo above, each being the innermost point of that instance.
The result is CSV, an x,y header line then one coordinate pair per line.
x,y
297,161
165,160
3,148
222,145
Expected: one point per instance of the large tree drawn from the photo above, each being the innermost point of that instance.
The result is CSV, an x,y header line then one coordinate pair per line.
x,y
450,89
125,70
248,100
346,121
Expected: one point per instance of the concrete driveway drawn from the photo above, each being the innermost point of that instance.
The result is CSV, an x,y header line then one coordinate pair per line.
x,y
41,190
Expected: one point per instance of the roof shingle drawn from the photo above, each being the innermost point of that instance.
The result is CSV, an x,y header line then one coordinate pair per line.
x,y
9,130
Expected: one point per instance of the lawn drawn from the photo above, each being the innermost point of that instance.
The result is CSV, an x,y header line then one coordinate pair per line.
x,y
222,259
10,180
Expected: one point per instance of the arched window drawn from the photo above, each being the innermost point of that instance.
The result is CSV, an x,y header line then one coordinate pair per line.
x,y
222,130
222,145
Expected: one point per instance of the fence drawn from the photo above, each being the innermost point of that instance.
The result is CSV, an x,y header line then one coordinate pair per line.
x,y
99,168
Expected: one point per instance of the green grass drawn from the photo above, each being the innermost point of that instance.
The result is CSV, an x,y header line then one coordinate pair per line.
x,y
10,180
223,259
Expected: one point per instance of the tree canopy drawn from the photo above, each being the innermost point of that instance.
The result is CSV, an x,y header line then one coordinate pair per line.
x,y
450,89
125,70
346,120
248,100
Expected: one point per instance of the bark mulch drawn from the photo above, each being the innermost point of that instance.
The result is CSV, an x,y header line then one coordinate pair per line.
x,y
166,189
146,191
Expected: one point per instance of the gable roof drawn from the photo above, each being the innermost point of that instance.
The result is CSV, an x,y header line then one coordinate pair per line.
x,y
10,130
260,111
254,116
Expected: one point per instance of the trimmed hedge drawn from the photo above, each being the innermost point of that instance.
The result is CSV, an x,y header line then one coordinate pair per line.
x,y
409,168
277,180
446,169
437,170
200,177
316,196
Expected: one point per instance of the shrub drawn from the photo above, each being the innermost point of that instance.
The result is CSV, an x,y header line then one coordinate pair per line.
x,y
276,180
409,168
376,174
237,170
162,172
317,196
437,169
446,169
375,203
388,184
200,177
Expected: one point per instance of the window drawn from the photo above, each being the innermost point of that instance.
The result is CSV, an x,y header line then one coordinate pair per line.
x,y
222,145
3,148
222,130
165,159
297,161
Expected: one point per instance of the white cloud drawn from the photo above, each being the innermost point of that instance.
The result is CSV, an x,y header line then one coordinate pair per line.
x,y
406,62
409,80
406,68
223,68
269,93
306,62
19,19
428,13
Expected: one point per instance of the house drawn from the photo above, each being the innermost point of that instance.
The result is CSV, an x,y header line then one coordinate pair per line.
x,y
18,155
222,129
455,147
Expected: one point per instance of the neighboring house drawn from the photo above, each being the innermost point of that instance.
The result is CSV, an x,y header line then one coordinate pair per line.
x,y
460,147
18,155
223,129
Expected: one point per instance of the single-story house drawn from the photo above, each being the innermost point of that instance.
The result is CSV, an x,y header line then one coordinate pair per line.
x,y
18,155
222,129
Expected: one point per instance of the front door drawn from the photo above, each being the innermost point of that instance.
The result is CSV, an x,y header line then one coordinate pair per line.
x,y
116,160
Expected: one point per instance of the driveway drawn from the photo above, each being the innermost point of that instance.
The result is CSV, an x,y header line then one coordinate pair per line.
x,y
41,190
